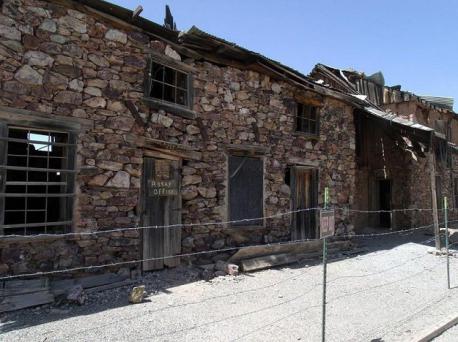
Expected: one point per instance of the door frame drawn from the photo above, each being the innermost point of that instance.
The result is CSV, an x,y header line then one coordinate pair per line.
x,y
315,179
171,237
377,204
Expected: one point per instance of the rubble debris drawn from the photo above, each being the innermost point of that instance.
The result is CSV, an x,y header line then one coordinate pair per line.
x,y
77,295
227,268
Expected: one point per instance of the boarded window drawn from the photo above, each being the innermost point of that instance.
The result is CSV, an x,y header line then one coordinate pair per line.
x,y
245,190
168,84
38,176
307,119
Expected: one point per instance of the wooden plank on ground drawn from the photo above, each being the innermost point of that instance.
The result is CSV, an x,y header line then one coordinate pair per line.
x,y
100,279
256,264
290,248
111,286
16,287
60,287
258,251
12,303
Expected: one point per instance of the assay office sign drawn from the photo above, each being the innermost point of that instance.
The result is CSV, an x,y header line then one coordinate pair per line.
x,y
159,188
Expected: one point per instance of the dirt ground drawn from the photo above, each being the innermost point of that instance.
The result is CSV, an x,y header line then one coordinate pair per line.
x,y
388,293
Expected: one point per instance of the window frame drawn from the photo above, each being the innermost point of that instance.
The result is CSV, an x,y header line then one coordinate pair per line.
x,y
38,120
298,107
185,111
250,224
66,210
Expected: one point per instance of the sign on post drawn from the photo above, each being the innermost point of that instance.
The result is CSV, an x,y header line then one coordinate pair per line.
x,y
327,223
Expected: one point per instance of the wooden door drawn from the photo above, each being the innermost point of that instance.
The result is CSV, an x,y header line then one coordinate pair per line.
x,y
304,192
161,206
384,203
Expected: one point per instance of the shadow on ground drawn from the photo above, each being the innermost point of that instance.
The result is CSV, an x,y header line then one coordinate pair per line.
x,y
163,281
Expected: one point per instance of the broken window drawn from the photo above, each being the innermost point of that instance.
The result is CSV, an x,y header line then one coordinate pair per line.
x,y
307,119
37,181
168,84
245,190
443,153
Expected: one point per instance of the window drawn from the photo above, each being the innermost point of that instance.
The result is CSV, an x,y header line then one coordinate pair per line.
x,y
37,181
245,190
307,120
168,84
443,154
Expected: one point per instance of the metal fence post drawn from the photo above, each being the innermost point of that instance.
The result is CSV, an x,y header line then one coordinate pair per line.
x,y
323,327
446,240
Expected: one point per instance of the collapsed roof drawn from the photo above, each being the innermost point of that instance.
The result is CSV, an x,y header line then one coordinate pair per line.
x,y
374,88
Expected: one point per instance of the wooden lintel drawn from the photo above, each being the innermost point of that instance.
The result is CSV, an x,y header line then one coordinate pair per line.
x,y
188,155
248,149
173,149
316,100
160,155
38,119
164,59
167,145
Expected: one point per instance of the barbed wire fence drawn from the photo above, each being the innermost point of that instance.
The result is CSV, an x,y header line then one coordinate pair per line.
x,y
333,299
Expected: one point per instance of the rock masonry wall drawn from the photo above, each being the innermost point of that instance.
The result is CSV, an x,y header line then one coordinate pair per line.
x,y
63,60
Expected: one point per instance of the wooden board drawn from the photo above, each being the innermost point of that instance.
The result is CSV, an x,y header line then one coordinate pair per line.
x,y
172,236
292,248
152,215
17,287
256,264
60,287
12,303
111,286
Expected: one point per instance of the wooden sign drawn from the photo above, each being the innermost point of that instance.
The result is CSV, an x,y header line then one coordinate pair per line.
x,y
158,188
162,169
327,223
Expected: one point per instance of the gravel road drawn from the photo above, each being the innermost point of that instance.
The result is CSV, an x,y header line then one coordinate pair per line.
x,y
390,293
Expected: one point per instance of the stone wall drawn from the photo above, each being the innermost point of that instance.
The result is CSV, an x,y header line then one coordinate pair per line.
x,y
427,114
386,159
69,62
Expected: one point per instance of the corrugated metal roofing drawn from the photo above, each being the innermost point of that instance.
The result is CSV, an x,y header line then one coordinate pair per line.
x,y
194,30
444,102
394,118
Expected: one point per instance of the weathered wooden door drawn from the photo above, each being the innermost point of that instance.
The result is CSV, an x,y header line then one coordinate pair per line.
x,y
384,203
304,192
161,206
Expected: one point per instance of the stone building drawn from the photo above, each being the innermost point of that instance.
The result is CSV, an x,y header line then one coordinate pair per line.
x,y
394,167
108,120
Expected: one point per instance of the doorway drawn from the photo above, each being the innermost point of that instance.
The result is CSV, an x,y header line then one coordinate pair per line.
x,y
161,206
304,193
384,200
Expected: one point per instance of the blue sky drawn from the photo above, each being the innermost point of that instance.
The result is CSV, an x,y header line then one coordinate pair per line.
x,y
414,43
